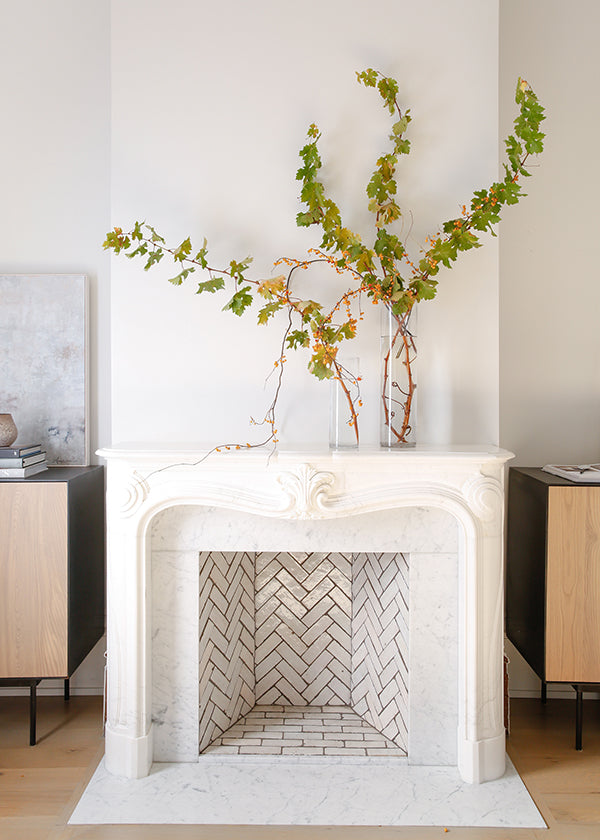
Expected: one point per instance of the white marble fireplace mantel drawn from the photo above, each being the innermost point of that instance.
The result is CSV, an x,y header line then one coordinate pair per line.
x,y
465,481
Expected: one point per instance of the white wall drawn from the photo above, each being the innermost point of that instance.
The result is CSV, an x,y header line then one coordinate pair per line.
x,y
54,160
54,177
211,102
550,293
549,289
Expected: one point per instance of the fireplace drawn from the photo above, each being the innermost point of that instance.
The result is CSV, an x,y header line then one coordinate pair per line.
x,y
296,652
178,524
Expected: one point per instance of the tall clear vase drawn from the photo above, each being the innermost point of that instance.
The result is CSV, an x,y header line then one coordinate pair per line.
x,y
398,408
343,422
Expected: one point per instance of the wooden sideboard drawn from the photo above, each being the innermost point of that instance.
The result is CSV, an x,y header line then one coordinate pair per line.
x,y
553,576
52,550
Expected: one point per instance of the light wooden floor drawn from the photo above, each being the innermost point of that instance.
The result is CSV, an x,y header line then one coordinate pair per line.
x,y
39,786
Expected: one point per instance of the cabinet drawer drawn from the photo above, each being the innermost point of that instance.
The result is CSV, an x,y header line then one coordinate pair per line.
x,y
34,591
573,585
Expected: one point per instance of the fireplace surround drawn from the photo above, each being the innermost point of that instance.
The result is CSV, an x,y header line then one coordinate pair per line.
x,y
370,500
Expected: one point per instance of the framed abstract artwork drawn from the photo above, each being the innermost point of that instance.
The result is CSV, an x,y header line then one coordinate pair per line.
x,y
43,362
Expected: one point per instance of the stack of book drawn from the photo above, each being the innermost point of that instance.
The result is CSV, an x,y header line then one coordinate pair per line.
x,y
22,461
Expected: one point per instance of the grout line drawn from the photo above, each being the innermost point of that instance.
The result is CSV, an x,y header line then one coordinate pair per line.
x,y
304,731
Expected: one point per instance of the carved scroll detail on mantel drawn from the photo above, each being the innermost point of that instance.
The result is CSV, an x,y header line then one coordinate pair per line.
x,y
308,490
485,497
132,494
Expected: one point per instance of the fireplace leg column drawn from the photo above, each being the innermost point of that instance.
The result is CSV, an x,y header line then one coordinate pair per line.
x,y
481,734
128,750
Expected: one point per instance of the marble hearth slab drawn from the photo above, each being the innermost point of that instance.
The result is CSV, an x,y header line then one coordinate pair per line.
x,y
298,791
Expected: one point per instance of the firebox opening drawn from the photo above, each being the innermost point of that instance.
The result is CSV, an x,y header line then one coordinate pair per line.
x,y
303,653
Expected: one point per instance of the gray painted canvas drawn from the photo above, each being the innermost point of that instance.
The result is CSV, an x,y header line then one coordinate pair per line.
x,y
43,362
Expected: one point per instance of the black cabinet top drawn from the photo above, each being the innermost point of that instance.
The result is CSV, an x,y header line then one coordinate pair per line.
x,y
54,474
548,479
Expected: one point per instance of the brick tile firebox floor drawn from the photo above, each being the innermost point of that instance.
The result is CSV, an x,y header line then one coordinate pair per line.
x,y
303,730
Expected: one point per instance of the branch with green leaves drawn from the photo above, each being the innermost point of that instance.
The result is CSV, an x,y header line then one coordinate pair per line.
x,y
383,272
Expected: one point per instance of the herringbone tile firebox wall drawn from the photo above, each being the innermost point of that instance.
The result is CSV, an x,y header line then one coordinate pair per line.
x,y
321,631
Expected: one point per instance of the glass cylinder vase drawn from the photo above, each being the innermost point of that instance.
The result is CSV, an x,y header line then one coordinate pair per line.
x,y
343,399
398,407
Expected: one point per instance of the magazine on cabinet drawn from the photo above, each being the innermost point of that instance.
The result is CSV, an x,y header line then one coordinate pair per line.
x,y
585,473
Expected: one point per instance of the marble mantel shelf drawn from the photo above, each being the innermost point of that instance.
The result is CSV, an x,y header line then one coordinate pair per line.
x,y
466,481
191,452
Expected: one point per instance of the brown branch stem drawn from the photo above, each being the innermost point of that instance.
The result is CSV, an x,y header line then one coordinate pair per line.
x,y
408,344
339,371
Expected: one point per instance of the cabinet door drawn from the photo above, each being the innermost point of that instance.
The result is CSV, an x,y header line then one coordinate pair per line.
x,y
33,569
573,585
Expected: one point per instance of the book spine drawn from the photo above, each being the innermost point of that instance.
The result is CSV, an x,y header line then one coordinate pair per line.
x,y
17,462
19,451
22,472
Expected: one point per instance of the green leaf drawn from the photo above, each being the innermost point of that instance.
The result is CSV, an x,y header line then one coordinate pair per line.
x,y
514,151
388,244
112,241
237,269
308,308
320,368
364,263
183,275
268,310
240,301
183,251
402,147
512,190
313,194
388,89
400,125
368,77
298,338
424,289
156,237
201,255
213,285
535,146
153,258
307,219
347,330
272,286
375,187
117,240
140,251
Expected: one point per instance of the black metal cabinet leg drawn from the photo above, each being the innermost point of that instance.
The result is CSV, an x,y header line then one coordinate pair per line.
x,y
544,692
578,718
67,690
32,713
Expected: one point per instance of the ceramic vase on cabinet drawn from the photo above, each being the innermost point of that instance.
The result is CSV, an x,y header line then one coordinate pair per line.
x,y
8,430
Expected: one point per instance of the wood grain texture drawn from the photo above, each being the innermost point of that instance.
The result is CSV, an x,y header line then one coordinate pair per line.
x,y
573,585
33,566
575,808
